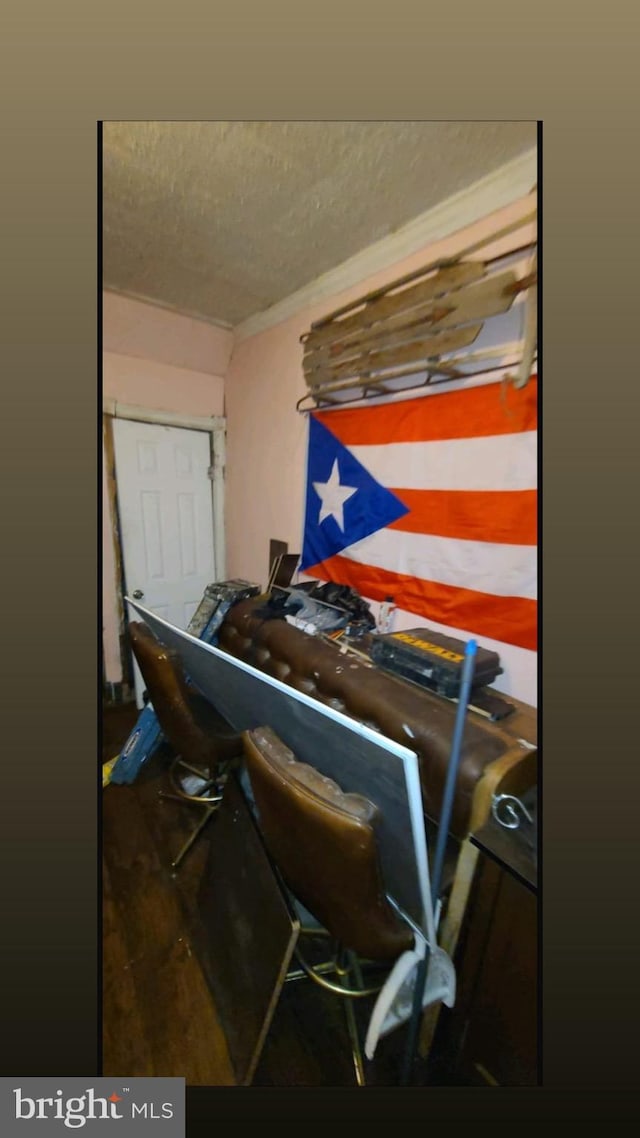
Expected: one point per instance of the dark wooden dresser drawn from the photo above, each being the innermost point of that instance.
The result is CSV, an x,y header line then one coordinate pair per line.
x,y
490,1036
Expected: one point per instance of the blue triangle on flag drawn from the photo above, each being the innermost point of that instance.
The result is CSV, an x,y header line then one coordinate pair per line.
x,y
344,501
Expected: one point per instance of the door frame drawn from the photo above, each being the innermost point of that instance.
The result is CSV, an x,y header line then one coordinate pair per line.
x,y
215,427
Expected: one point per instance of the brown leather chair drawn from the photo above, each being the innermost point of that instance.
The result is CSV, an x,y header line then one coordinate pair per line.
x,y
323,842
203,742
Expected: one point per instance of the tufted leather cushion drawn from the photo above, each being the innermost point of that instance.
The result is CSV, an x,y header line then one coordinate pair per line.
x,y
318,784
399,710
324,843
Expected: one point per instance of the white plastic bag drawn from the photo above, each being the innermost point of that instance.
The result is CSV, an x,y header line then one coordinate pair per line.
x,y
395,1001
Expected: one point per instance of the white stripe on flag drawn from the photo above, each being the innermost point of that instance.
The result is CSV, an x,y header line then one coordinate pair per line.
x,y
502,570
495,462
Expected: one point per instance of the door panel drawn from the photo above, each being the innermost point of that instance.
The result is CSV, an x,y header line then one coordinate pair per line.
x,y
166,517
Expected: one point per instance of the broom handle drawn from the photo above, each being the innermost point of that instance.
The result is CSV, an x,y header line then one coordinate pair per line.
x,y
441,844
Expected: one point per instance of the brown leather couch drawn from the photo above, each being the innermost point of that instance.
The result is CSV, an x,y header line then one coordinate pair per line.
x,y
493,758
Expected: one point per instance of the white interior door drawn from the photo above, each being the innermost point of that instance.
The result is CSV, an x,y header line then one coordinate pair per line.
x,y
166,518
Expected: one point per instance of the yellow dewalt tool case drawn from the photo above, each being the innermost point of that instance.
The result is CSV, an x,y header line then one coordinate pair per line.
x,y
432,660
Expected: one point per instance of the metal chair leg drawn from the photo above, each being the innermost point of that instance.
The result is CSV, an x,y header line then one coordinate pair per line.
x,y
180,798
349,967
356,1051
349,984
192,837
208,802
325,969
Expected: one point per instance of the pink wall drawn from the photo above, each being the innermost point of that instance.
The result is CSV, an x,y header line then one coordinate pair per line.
x,y
147,383
134,328
160,361
266,437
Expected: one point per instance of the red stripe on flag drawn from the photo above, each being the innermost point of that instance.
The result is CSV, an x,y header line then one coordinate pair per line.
x,y
494,409
508,517
511,620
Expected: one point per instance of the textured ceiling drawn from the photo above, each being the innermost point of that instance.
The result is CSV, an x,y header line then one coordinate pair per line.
x,y
223,219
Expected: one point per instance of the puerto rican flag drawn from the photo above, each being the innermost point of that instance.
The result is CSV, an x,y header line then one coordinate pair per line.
x,y
432,501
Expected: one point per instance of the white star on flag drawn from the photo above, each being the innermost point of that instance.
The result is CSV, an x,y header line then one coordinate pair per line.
x,y
333,496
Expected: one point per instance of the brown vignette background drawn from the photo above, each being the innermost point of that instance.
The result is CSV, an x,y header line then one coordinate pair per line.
x,y
65,67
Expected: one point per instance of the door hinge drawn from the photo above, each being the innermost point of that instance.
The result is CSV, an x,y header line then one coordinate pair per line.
x,y
212,472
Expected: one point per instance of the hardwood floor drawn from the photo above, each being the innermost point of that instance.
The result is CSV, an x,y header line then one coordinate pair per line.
x,y
159,1016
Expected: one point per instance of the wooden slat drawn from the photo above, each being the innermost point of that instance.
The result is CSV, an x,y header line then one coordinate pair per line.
x,y
487,241
489,297
396,329
417,352
370,383
395,301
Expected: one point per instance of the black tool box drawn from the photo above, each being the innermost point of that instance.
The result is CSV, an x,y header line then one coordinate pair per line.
x,y
432,660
